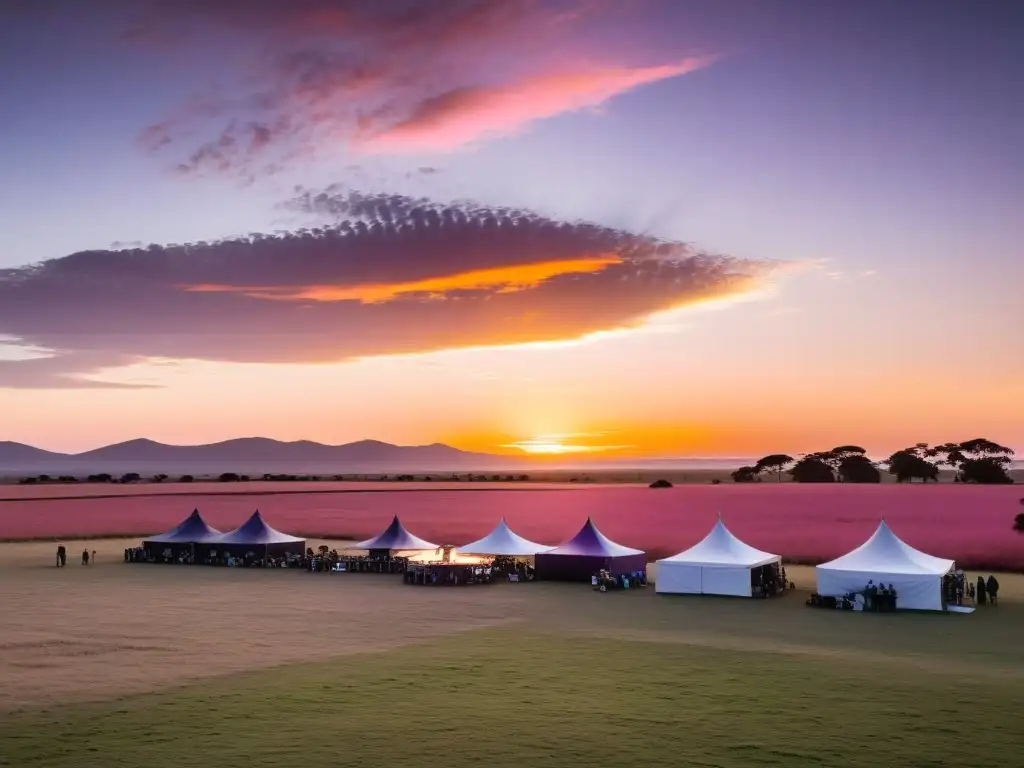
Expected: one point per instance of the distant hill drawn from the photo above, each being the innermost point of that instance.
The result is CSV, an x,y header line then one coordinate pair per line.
x,y
253,455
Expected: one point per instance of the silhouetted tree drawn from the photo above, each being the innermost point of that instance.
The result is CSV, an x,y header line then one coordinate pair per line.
x,y
228,477
985,462
1018,523
186,479
660,484
909,464
857,468
984,471
949,454
812,469
835,457
776,463
131,477
745,475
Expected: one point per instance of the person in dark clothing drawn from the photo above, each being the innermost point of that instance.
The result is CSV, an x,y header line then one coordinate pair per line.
x,y
992,588
85,557
981,590
62,556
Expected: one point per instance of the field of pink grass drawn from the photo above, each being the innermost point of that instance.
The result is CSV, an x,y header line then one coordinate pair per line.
x,y
971,524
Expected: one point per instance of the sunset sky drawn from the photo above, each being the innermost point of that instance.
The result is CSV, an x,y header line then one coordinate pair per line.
x,y
582,227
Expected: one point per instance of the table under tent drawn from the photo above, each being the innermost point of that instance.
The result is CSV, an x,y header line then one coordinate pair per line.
x,y
720,564
255,542
514,556
178,545
587,553
886,559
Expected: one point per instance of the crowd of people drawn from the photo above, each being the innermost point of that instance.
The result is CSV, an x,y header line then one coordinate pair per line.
x,y
605,580
956,587
769,580
876,598
331,561
227,558
449,574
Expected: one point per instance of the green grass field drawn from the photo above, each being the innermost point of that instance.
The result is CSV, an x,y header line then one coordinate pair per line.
x,y
499,697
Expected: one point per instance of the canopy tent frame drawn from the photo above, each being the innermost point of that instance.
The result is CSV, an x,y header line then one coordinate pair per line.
x,y
394,538
719,564
502,541
886,559
586,553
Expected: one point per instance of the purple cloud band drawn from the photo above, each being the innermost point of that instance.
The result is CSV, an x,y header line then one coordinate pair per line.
x,y
207,300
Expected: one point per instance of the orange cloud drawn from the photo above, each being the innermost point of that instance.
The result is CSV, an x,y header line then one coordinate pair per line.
x,y
464,115
507,279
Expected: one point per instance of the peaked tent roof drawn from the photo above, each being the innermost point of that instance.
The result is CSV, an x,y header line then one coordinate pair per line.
x,y
885,552
721,547
395,536
192,530
503,541
256,531
591,542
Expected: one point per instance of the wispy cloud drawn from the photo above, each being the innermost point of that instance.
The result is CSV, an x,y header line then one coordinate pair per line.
x,y
464,116
383,275
386,76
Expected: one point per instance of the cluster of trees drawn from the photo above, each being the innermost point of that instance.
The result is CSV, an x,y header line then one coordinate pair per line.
x,y
973,461
233,477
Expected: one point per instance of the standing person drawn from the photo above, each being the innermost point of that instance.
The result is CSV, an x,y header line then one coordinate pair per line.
x,y
992,587
981,590
93,561
85,557
62,556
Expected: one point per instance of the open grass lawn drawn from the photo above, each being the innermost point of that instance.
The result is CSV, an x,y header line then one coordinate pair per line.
x,y
502,697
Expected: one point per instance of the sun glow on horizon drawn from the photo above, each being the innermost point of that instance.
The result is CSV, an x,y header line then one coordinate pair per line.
x,y
556,445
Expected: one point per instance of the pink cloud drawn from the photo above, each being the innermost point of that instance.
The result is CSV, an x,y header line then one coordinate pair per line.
x,y
387,77
463,116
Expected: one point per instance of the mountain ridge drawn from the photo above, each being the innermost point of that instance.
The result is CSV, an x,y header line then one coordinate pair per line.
x,y
249,454
259,455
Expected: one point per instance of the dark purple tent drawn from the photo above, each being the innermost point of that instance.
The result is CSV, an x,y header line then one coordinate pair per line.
x,y
586,553
395,537
255,535
192,530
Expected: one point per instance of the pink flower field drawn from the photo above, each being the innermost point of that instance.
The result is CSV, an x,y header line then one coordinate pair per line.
x,y
971,524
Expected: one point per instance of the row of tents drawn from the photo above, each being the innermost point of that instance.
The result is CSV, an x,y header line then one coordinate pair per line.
x,y
719,564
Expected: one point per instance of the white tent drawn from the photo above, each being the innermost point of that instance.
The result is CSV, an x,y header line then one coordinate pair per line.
x,y
887,559
719,564
502,541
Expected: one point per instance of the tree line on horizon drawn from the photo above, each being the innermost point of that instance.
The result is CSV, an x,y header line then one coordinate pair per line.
x,y
978,461
233,477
